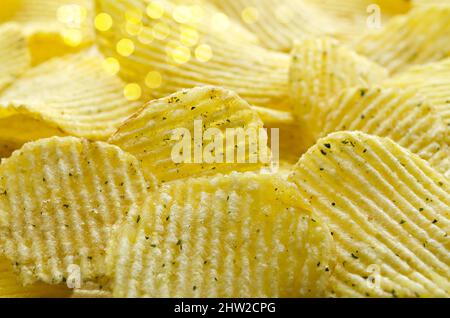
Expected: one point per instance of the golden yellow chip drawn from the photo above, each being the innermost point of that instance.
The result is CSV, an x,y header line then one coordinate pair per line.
x,y
200,131
279,23
388,212
398,114
242,235
70,95
430,80
176,51
14,55
53,27
59,200
273,117
320,69
418,37
11,287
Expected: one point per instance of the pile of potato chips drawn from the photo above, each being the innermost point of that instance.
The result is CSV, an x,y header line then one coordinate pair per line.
x,y
93,204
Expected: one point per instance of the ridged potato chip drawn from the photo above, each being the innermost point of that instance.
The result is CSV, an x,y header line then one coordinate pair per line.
x,y
72,95
14,54
242,235
11,287
320,69
59,201
430,80
388,212
280,23
201,117
52,27
175,52
398,114
418,37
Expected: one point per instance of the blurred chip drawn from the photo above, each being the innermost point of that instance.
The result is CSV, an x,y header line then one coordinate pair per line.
x,y
188,134
388,212
418,37
59,200
242,235
430,80
202,47
279,23
400,115
14,55
320,69
53,27
69,95
11,287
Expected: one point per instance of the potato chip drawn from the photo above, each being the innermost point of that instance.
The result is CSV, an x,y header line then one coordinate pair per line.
x,y
388,212
59,200
10,286
398,114
418,37
179,51
200,131
70,95
53,27
242,235
279,23
430,80
320,69
14,55
273,117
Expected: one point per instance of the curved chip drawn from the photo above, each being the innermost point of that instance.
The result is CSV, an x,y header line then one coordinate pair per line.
x,y
14,55
430,80
320,69
388,212
398,114
418,37
242,235
175,52
273,117
59,200
195,132
52,27
279,23
70,95
11,287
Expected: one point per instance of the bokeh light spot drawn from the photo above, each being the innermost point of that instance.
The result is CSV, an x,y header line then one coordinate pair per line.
x,y
203,53
220,22
153,79
103,22
181,54
132,91
111,65
72,37
125,47
155,10
182,14
250,15
189,36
